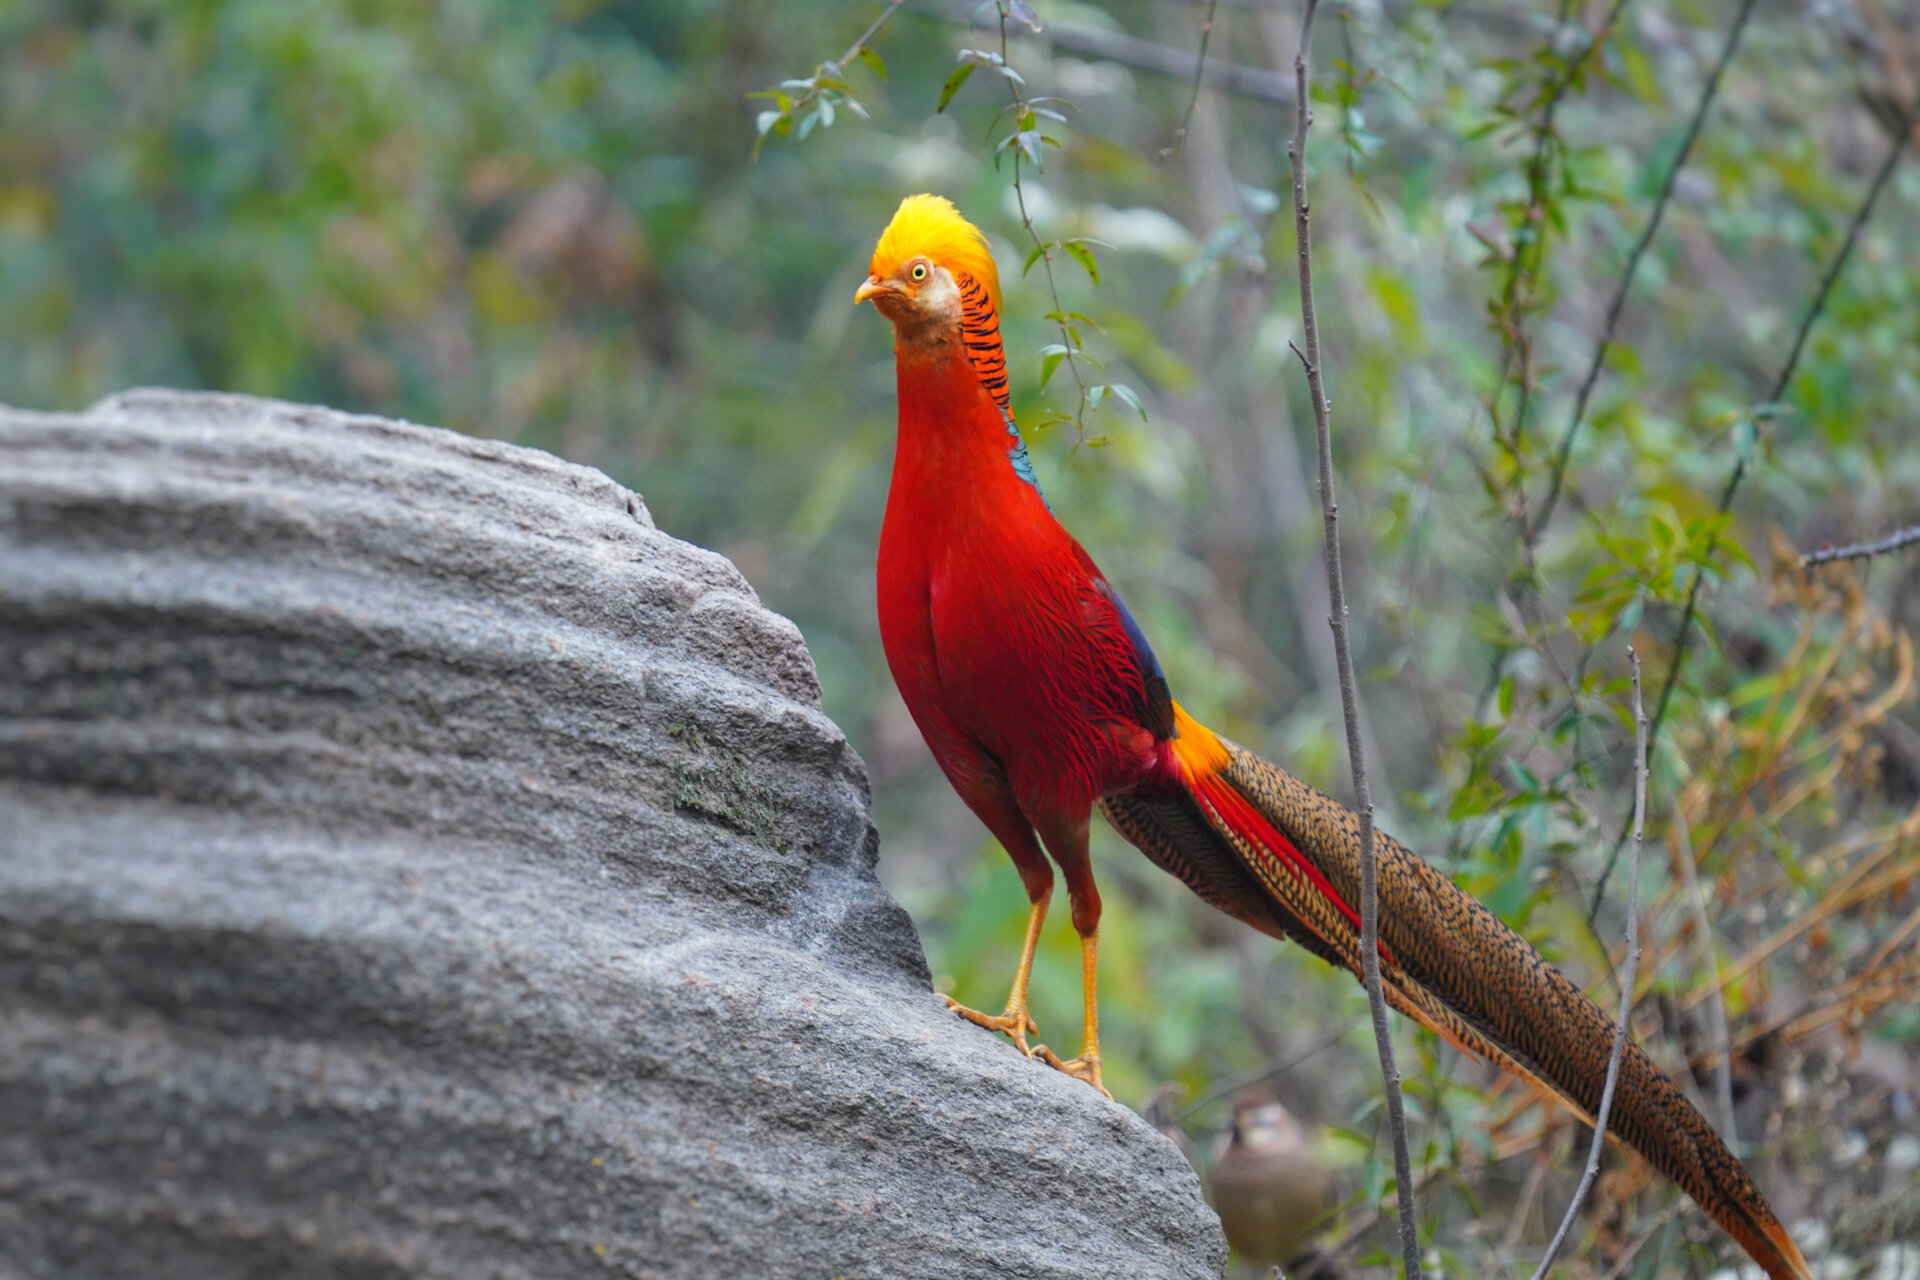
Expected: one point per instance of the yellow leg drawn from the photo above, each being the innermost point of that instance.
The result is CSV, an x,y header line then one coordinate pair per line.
x,y
1016,1021
1087,1065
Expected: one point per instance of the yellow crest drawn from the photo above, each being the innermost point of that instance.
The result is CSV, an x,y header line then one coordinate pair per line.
x,y
929,226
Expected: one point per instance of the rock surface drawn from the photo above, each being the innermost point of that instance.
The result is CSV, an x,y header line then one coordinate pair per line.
x,y
412,863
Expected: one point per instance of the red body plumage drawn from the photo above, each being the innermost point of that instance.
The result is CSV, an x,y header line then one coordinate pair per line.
x,y
1014,663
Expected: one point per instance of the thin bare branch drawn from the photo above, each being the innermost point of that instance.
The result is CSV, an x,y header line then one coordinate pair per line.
x,y
1862,550
853,50
1193,99
1626,981
1259,1075
1550,101
1617,303
1640,1242
1710,962
1343,654
1256,83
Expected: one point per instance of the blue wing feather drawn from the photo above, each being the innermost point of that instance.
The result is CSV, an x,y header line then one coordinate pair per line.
x,y
1156,710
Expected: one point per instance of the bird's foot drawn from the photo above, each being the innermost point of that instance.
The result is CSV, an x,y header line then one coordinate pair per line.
x,y
1085,1067
1015,1023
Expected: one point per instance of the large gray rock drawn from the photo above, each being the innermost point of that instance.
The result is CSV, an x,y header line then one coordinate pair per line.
x,y
412,863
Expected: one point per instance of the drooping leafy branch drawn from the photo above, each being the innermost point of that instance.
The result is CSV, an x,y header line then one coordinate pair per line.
x,y
802,105
1527,225
1024,142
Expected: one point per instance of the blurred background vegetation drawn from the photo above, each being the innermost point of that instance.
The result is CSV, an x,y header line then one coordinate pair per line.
x,y
546,223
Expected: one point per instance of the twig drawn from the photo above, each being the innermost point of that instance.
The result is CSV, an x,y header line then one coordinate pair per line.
x,y
1632,1251
1193,99
1259,1075
1244,81
1862,550
1512,306
1710,961
1626,982
1529,1194
1616,304
1543,140
1779,389
1356,1228
853,50
1343,654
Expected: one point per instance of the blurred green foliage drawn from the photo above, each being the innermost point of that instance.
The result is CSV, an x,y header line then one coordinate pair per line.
x,y
545,223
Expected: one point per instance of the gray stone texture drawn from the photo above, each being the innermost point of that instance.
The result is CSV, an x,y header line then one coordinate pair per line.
x,y
413,863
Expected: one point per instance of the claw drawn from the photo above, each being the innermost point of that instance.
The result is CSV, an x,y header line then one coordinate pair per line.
x,y
1085,1067
1015,1023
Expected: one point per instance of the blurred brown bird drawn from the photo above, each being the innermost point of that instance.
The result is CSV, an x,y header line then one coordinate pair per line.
x,y
1269,1187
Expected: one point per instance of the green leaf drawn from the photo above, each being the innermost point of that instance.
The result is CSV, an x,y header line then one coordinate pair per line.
x,y
1084,256
1477,797
1506,698
1038,251
952,86
1737,553
1029,144
1125,392
1050,357
873,60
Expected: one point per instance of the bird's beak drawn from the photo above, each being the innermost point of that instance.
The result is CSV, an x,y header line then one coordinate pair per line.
x,y
873,288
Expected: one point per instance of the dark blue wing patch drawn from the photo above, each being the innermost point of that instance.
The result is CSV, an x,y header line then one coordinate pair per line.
x,y
1156,709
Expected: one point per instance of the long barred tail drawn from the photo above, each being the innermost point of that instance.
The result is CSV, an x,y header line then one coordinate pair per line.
x,y
1271,851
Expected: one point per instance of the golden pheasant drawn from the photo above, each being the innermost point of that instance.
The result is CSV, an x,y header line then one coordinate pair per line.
x,y
1041,699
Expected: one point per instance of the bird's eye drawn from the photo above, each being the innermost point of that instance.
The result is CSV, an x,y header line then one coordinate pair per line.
x,y
919,272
